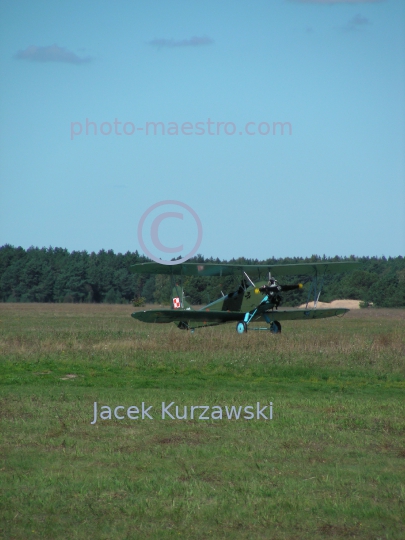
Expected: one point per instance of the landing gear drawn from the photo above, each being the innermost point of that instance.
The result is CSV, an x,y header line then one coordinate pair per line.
x,y
275,327
182,325
241,327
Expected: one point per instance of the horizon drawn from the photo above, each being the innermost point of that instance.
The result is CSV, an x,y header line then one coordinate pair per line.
x,y
200,255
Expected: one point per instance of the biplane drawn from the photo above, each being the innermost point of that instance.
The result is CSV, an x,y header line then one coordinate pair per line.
x,y
256,300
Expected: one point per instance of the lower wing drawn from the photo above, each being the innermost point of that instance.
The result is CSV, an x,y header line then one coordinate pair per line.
x,y
299,314
206,318
186,315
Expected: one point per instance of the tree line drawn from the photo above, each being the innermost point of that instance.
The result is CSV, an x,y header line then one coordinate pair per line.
x,y
57,275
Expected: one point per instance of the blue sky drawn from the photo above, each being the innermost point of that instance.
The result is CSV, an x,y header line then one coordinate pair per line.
x,y
334,71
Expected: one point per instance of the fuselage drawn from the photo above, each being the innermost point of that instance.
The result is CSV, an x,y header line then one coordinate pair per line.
x,y
243,299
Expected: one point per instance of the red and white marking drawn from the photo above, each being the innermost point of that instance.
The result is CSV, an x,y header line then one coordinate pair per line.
x,y
176,303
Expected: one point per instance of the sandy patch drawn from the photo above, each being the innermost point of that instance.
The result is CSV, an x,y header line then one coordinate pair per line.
x,y
348,304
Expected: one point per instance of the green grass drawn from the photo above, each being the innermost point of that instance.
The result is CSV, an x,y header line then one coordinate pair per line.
x,y
329,465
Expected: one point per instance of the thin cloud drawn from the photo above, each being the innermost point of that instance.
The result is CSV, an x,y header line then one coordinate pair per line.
x,y
355,23
52,53
358,20
195,41
325,2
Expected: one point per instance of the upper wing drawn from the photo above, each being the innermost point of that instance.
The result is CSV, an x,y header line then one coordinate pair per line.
x,y
256,271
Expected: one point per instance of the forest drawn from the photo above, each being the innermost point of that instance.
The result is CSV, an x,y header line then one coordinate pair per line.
x,y
57,275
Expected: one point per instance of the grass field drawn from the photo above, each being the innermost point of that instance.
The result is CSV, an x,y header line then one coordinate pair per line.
x,y
330,464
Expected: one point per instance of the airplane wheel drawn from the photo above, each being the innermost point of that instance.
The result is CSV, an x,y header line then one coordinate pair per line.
x,y
275,327
241,327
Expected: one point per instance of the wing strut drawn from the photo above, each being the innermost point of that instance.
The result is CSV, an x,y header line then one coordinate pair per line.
x,y
315,289
249,279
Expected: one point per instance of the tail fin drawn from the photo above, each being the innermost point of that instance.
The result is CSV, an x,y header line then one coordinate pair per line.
x,y
179,299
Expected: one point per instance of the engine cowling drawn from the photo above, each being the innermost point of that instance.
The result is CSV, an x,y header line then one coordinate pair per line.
x,y
275,288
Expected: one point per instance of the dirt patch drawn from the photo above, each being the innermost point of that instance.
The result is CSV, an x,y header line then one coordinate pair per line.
x,y
339,530
68,376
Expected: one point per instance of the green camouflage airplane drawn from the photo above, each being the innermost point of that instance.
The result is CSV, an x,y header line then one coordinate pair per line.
x,y
250,303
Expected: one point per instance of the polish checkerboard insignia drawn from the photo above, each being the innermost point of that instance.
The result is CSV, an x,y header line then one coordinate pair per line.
x,y
176,303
